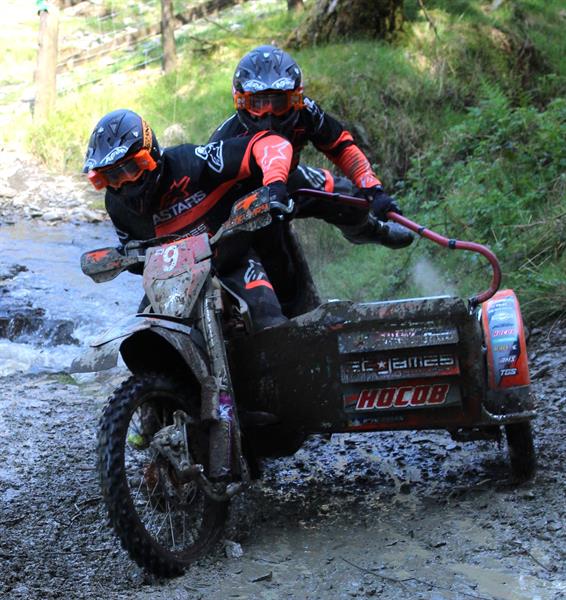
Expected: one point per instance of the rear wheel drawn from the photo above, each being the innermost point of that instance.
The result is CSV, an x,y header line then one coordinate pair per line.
x,y
149,427
522,452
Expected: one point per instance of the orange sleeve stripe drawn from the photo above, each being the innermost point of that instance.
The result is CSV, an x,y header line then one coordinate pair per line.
x,y
354,164
273,154
345,136
258,283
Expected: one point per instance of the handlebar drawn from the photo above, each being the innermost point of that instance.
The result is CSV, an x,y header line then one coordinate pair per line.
x,y
451,244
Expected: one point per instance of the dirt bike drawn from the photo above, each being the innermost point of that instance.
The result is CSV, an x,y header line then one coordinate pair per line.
x,y
208,394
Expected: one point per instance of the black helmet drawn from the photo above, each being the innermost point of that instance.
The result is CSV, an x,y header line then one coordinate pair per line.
x,y
118,136
268,89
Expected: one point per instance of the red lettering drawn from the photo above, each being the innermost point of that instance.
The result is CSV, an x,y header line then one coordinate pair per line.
x,y
366,399
400,400
420,395
400,397
385,397
438,393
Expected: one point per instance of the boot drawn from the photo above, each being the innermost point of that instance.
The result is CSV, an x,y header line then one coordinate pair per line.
x,y
394,236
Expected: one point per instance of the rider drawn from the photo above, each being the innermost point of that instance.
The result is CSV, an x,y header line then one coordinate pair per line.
x,y
268,95
189,189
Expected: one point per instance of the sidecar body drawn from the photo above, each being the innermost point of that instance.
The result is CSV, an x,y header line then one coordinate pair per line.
x,y
425,363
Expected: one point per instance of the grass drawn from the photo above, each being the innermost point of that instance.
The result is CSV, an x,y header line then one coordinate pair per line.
x,y
458,119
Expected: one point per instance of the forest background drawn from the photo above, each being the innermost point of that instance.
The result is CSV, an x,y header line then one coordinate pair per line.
x,y
460,106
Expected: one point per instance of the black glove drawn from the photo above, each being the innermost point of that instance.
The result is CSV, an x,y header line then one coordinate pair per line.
x,y
380,202
282,207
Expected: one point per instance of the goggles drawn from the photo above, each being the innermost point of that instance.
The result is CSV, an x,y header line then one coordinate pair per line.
x,y
263,103
129,169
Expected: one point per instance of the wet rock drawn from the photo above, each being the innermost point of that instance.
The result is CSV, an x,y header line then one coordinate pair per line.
x,y
52,216
32,325
233,549
9,272
88,215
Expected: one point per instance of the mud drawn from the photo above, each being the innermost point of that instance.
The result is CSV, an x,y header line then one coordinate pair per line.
x,y
390,515
394,515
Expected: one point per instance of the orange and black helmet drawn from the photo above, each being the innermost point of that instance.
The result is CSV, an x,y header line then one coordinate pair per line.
x,y
268,89
123,154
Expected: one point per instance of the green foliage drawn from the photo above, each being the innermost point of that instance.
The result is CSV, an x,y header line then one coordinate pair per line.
x,y
459,116
61,141
499,178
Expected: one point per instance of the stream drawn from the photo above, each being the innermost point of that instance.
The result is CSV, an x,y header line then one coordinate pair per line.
x,y
49,310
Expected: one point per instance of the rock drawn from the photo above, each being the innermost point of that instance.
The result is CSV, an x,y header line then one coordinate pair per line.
x,y
88,215
52,215
11,271
174,134
7,192
233,549
86,9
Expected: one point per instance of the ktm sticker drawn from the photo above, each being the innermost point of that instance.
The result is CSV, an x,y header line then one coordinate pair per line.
x,y
403,396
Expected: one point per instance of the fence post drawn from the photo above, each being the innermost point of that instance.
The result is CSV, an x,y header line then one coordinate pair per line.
x,y
168,36
45,74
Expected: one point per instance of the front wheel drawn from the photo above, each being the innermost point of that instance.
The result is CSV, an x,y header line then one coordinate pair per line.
x,y
149,428
522,452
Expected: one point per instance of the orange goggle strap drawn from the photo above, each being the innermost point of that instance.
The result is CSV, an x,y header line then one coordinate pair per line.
x,y
125,171
251,102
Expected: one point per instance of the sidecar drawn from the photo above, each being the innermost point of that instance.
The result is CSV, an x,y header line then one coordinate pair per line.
x,y
422,363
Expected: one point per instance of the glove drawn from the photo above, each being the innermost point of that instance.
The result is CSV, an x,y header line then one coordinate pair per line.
x,y
282,207
380,203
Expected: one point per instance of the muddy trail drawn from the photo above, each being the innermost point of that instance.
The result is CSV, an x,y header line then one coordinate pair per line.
x,y
390,515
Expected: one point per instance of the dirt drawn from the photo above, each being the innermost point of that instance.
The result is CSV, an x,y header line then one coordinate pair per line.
x,y
394,515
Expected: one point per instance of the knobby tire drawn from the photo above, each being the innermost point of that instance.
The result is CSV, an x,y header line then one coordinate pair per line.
x,y
142,547
522,453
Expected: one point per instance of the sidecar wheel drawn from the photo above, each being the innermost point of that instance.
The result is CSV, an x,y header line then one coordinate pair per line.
x,y
522,452
162,523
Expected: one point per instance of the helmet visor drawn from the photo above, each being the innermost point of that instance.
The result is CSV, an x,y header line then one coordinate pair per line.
x,y
263,103
123,172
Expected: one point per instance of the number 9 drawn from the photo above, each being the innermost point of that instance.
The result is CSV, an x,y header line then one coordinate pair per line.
x,y
170,257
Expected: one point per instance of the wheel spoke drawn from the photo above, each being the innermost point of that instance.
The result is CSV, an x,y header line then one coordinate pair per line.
x,y
171,525
151,429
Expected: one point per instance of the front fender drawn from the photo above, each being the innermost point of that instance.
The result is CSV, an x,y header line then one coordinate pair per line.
x,y
145,343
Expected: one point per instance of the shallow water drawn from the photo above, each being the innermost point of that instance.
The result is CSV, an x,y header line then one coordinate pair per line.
x,y
53,283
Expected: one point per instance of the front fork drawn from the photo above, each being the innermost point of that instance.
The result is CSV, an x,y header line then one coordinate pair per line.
x,y
225,452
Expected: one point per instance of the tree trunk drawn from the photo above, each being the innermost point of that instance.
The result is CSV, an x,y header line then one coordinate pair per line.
x,y
331,20
168,36
295,5
45,74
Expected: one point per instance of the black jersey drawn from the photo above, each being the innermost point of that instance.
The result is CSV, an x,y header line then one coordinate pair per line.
x,y
325,132
199,184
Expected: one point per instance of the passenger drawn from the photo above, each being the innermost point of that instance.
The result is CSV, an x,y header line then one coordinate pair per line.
x,y
267,88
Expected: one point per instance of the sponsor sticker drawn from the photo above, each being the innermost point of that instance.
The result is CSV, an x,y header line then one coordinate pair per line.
x,y
407,337
114,155
178,208
507,372
389,367
415,395
508,331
